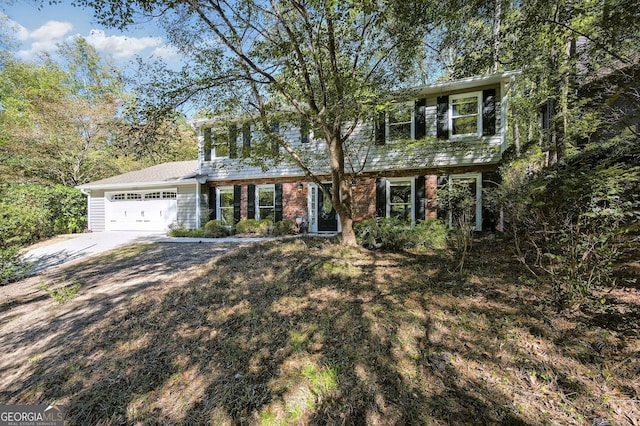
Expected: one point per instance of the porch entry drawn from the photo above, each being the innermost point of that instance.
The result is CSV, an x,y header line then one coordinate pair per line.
x,y
322,215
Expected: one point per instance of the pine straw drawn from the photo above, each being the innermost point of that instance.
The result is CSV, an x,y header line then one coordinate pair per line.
x,y
305,332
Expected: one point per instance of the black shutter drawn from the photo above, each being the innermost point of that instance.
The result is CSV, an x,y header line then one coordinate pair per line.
x,y
251,201
381,197
489,112
212,203
443,117
275,145
381,127
237,197
443,181
233,141
420,119
420,199
207,146
246,138
278,204
304,131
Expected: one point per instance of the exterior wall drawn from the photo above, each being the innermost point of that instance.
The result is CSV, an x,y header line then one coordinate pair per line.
x,y
428,156
294,202
187,206
96,210
364,199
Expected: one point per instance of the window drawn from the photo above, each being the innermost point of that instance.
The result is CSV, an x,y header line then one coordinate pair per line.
x,y
465,195
118,197
225,205
134,196
220,143
400,122
304,131
265,198
153,196
465,114
400,200
169,195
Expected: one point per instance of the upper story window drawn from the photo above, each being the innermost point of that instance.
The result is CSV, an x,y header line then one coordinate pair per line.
x,y
466,114
465,117
399,122
220,142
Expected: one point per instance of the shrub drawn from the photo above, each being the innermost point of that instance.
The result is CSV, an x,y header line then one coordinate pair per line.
x,y
217,229
253,226
393,234
30,212
568,222
12,265
284,227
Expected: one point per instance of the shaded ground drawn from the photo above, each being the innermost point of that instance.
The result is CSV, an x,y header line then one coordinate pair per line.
x,y
303,331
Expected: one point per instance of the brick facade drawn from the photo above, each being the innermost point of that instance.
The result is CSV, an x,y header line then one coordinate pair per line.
x,y
295,199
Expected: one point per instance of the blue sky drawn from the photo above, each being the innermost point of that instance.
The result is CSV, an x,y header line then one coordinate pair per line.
x,y
39,29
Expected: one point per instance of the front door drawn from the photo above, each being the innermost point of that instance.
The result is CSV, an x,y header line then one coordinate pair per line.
x,y
326,214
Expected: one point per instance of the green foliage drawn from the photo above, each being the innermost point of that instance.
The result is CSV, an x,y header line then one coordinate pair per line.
x,y
217,229
460,201
62,294
30,212
393,234
284,227
253,226
571,221
12,264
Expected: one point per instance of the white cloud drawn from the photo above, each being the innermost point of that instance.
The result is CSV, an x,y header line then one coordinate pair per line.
x,y
166,52
20,32
46,38
43,39
121,46
51,30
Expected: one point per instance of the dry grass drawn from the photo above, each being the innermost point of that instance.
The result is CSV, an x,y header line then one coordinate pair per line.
x,y
306,332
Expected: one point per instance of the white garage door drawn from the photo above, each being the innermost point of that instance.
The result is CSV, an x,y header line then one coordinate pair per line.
x,y
141,210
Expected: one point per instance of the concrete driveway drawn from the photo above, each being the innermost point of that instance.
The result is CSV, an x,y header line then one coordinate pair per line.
x,y
67,248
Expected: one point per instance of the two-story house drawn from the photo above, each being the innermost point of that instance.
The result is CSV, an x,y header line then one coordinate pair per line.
x,y
432,135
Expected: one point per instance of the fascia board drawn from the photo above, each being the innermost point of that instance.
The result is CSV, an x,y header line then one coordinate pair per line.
x,y
138,185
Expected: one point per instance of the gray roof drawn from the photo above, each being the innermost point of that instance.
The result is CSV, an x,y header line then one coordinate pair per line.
x,y
166,173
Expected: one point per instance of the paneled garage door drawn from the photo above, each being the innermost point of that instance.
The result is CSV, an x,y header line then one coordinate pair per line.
x,y
152,210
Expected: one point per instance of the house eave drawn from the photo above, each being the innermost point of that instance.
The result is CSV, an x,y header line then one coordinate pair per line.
x,y
140,185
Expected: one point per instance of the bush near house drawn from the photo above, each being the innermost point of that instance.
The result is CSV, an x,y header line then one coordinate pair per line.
x,y
572,222
33,212
254,226
393,234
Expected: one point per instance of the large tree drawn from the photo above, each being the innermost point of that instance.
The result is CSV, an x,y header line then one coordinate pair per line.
x,y
57,120
326,62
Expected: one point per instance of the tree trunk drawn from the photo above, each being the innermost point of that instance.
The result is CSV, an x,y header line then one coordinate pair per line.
x,y
341,189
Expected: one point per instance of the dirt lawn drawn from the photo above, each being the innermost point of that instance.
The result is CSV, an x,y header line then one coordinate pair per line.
x,y
303,331
33,327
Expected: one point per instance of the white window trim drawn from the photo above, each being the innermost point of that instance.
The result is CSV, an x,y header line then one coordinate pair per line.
x,y
412,136
312,206
257,198
218,198
478,95
478,178
413,196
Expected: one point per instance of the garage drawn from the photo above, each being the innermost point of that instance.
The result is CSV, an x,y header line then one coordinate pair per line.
x,y
151,210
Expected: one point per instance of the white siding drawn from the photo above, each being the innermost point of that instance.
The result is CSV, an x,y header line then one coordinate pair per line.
x,y
97,214
187,206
